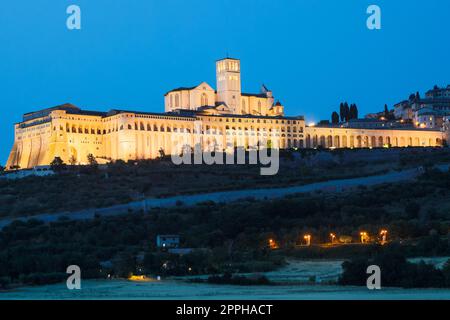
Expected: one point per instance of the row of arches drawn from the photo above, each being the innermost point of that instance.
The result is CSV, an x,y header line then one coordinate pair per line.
x,y
364,141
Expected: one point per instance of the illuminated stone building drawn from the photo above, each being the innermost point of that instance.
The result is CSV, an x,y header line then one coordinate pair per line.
x,y
72,134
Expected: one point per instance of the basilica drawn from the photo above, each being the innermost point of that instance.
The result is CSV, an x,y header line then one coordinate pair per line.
x,y
225,113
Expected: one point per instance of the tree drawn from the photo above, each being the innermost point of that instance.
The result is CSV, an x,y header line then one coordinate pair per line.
x,y
346,112
342,112
412,209
57,164
386,111
335,117
72,160
353,114
91,160
2,168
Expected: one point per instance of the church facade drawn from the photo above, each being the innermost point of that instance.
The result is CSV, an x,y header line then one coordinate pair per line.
x,y
225,115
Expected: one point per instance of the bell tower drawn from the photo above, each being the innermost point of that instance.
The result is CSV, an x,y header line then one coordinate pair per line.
x,y
228,75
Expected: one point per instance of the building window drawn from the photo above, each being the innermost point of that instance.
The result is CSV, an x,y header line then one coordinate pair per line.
x,y
177,100
204,99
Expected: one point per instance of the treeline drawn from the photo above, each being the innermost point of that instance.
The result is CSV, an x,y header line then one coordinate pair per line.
x,y
396,271
227,237
346,113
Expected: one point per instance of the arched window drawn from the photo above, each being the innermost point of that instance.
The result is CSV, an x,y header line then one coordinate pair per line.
x,y
177,100
204,100
171,101
259,107
243,105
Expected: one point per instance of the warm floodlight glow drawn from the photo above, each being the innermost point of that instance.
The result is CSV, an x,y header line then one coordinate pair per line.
x,y
333,237
383,234
364,237
307,238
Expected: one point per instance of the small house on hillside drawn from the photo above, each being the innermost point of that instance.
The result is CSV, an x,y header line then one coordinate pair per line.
x,y
168,241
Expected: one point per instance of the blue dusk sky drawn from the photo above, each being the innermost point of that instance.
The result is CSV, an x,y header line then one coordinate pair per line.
x,y
313,54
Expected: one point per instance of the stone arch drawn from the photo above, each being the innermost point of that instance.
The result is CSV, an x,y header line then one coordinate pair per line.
x,y
308,141
395,142
410,142
322,141
315,141
358,141
329,141
380,142
337,142
388,141
352,142
344,142
373,142
365,142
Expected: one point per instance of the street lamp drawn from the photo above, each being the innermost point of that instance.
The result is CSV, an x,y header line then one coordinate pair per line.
x,y
364,237
383,234
272,244
307,239
333,237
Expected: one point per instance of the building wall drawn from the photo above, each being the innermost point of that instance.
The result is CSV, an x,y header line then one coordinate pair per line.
x,y
370,138
133,136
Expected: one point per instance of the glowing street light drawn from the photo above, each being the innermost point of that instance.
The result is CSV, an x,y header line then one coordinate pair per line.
x,y
383,234
307,239
332,237
272,244
364,237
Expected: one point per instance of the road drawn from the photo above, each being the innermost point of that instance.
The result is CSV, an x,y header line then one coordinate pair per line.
x,y
228,196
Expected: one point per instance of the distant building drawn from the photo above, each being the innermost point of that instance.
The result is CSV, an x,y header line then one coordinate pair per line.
x,y
425,112
168,241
